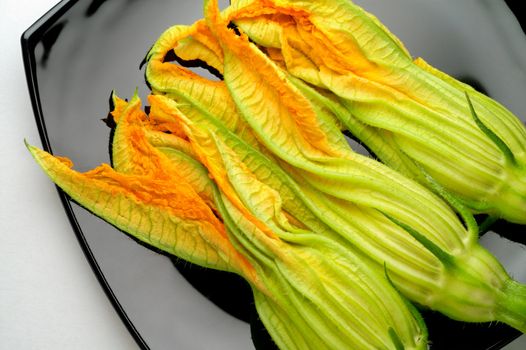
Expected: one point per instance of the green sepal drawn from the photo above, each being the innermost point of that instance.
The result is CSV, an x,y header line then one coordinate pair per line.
x,y
485,225
446,258
396,340
508,154
456,203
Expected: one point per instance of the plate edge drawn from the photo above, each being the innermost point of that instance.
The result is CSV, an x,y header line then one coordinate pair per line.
x,y
28,40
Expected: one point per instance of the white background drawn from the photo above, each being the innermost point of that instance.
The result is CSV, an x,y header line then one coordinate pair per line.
x,y
49,297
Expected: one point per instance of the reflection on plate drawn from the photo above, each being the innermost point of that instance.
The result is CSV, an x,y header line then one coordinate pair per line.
x,y
80,51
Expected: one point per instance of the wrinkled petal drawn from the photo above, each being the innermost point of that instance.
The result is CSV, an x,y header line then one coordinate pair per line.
x,y
170,218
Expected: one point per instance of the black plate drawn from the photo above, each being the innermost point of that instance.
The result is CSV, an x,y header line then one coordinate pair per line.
x,y
80,51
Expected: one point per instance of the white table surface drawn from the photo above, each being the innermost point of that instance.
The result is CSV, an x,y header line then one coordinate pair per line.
x,y
49,297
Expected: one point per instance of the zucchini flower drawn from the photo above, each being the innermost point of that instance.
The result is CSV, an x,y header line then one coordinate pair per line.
x,y
140,197
310,291
430,255
323,294
252,175
415,118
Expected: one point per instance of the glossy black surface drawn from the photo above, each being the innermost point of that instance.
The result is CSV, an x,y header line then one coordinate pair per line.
x,y
75,56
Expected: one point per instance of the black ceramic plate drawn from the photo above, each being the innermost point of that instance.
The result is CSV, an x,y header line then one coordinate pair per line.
x,y
80,51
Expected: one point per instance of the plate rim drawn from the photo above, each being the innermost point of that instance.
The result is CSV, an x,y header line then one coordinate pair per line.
x,y
28,40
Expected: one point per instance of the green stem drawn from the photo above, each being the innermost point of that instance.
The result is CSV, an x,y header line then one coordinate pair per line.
x,y
511,307
510,199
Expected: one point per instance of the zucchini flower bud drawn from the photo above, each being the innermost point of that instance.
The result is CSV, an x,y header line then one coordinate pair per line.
x,y
320,293
417,119
431,256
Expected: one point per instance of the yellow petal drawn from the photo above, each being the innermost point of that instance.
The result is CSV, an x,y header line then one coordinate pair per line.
x,y
170,218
